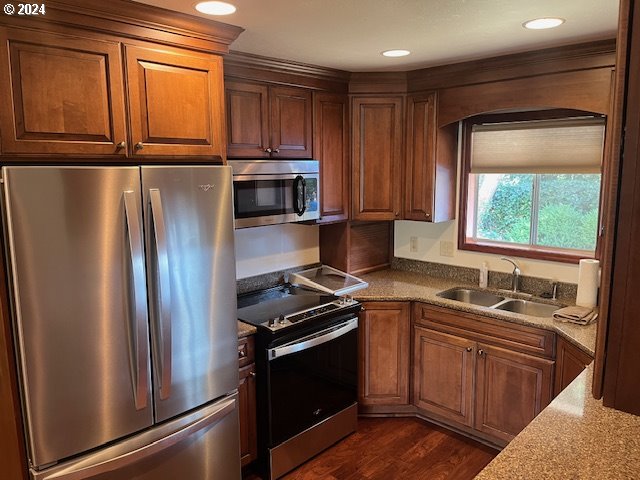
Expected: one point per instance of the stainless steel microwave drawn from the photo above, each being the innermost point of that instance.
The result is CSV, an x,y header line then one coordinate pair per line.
x,y
266,192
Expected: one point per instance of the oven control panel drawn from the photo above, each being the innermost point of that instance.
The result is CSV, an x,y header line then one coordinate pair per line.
x,y
283,321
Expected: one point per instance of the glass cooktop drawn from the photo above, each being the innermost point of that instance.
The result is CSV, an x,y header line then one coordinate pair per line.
x,y
286,305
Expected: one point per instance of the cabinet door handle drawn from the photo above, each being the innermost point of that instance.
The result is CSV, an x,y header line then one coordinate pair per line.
x,y
267,150
242,353
121,145
252,374
481,352
397,214
139,146
427,215
469,349
276,150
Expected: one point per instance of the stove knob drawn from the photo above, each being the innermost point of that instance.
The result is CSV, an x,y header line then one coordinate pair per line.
x,y
272,322
281,320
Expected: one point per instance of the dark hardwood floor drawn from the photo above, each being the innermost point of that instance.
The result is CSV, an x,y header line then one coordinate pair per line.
x,y
397,448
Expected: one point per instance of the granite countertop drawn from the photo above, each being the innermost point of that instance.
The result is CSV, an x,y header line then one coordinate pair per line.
x,y
575,437
244,329
400,285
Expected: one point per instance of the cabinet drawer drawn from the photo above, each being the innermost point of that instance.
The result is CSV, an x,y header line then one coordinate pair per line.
x,y
246,351
487,330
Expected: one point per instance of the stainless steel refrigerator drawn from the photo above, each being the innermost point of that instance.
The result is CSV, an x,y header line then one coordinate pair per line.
x,y
124,304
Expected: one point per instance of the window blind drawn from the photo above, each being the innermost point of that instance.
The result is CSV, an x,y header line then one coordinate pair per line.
x,y
573,145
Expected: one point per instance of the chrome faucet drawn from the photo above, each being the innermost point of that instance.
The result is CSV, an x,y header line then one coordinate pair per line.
x,y
515,281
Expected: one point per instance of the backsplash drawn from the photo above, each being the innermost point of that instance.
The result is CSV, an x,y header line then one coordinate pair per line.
x,y
273,248
267,280
497,280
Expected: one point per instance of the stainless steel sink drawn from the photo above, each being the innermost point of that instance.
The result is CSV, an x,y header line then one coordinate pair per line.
x,y
475,297
527,307
486,299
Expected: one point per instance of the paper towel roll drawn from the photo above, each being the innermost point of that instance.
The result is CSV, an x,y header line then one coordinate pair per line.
x,y
588,281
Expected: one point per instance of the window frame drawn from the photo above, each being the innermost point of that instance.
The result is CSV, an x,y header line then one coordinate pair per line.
x,y
535,252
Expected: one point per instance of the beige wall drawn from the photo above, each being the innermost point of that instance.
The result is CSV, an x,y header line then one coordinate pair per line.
x,y
275,247
430,235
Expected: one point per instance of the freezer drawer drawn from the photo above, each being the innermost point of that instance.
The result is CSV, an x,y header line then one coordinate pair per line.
x,y
203,445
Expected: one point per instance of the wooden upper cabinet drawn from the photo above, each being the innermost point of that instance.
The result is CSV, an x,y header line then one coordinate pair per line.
x,y
511,389
267,121
290,122
176,104
331,147
384,353
247,119
60,95
443,374
377,158
430,167
420,166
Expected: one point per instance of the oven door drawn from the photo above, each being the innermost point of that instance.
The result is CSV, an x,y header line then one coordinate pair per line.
x,y
277,198
311,379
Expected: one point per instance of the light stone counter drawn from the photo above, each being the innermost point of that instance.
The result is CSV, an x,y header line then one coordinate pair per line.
x,y
245,329
400,285
575,437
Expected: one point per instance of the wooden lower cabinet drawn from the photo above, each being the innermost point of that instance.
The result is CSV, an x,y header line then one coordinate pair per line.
x,y
443,375
570,362
468,379
384,353
511,389
247,401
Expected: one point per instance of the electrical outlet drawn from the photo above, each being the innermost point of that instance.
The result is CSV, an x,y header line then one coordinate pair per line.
x,y
446,249
413,244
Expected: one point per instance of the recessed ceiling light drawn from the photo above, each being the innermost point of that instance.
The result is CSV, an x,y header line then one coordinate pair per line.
x,y
215,8
396,53
542,23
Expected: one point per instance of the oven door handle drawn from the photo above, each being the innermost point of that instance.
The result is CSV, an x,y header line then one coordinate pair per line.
x,y
313,340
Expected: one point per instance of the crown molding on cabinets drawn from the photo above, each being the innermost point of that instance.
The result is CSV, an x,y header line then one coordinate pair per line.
x,y
247,66
378,82
583,56
128,19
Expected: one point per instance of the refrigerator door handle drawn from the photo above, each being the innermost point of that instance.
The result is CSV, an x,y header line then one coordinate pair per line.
x,y
139,300
83,471
162,292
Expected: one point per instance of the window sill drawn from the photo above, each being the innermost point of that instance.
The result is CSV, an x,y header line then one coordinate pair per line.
x,y
524,251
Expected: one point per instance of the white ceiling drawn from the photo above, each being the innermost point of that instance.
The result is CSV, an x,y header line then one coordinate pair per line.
x,y
350,34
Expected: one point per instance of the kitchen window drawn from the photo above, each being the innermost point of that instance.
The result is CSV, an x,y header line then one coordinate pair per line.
x,y
531,187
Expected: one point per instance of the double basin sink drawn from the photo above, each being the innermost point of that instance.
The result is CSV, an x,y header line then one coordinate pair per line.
x,y
497,302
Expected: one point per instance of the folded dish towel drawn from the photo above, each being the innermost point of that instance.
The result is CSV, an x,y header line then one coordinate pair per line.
x,y
579,315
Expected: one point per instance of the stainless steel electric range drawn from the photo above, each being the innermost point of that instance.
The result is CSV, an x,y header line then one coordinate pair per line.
x,y
306,360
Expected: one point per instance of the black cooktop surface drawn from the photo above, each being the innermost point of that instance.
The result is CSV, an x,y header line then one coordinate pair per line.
x,y
259,307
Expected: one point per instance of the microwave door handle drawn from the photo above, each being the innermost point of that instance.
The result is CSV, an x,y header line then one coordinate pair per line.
x,y
313,340
299,195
